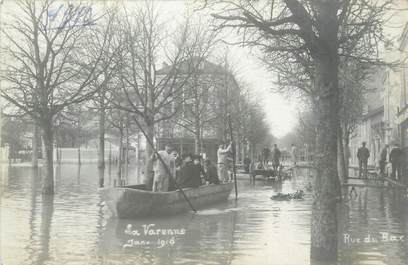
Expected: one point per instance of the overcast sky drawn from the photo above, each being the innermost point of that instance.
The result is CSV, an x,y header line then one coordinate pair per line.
x,y
281,113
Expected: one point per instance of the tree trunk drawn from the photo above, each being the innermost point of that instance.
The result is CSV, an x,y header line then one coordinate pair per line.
x,y
101,154
347,152
119,169
79,155
35,143
148,176
127,154
48,136
341,166
197,133
79,142
196,143
101,173
324,214
57,152
326,189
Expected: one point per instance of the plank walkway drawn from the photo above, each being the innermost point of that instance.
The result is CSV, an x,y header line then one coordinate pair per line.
x,y
395,183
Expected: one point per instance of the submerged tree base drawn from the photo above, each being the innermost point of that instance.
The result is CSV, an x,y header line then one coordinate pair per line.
x,y
323,254
48,190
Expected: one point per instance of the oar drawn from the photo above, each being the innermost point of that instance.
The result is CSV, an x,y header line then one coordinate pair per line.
x,y
164,164
234,170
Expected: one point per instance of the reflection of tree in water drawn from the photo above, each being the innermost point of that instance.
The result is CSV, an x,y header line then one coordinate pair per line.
x,y
382,204
35,183
79,176
101,174
46,218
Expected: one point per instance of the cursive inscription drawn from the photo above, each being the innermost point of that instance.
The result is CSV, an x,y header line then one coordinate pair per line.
x,y
150,234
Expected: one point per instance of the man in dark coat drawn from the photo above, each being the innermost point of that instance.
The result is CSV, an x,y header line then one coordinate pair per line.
x,y
396,161
190,174
276,155
363,154
211,173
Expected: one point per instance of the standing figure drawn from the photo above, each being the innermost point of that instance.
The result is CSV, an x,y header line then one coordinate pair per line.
x,y
266,152
293,153
191,172
396,161
276,155
247,162
363,154
211,173
222,155
161,177
383,160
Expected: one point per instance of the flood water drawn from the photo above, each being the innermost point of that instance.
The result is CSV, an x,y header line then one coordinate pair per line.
x,y
75,227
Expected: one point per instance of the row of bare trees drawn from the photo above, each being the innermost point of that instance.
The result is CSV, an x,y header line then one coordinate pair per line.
x,y
64,59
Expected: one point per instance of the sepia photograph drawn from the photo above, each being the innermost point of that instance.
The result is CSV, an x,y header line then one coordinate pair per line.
x,y
203,132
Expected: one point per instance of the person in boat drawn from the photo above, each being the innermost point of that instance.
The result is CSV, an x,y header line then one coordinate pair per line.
x,y
276,158
191,172
211,173
180,177
161,178
199,168
222,155
178,161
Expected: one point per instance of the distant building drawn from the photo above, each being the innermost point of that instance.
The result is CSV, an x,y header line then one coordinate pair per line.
x,y
216,86
372,126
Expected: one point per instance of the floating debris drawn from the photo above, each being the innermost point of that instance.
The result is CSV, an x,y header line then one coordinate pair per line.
x,y
298,195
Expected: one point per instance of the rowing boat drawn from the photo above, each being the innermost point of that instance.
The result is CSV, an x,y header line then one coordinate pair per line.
x,y
135,201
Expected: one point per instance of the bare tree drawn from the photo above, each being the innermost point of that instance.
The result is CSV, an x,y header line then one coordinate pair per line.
x,y
199,90
307,38
119,121
105,83
49,67
149,93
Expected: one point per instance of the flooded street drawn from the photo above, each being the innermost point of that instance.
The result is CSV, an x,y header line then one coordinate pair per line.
x,y
75,226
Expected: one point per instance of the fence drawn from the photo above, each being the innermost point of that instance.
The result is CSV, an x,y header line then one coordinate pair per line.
x,y
84,155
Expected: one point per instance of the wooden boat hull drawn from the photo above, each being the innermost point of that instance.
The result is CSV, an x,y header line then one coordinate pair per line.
x,y
129,202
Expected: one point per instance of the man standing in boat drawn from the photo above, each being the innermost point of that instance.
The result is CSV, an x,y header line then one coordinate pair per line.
x,y
276,155
161,178
222,155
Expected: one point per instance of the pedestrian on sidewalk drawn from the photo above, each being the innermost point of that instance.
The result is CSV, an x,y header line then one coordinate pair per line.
x,y
363,154
396,161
